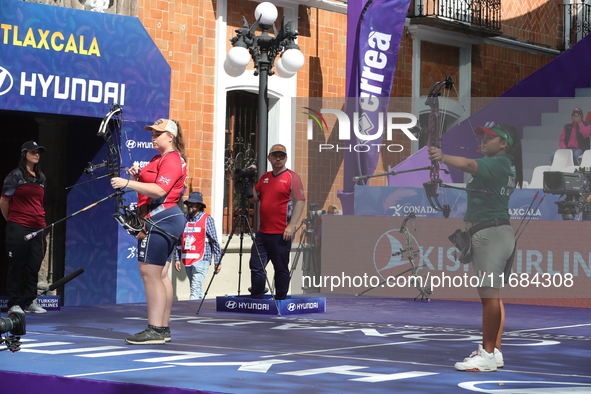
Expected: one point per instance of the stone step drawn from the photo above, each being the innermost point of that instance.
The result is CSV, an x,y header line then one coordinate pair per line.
x,y
542,132
556,119
583,92
566,106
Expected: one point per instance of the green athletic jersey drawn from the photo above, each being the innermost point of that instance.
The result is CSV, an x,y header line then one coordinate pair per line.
x,y
496,175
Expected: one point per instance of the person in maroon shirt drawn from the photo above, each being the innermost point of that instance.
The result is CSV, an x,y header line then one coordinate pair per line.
x,y
281,196
21,203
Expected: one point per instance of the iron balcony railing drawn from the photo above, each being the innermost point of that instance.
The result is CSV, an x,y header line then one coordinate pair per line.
x,y
577,23
479,14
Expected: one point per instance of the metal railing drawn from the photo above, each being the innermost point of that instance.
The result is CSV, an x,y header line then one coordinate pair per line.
x,y
483,14
577,23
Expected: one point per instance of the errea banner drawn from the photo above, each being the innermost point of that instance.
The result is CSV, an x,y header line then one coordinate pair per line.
x,y
66,61
374,30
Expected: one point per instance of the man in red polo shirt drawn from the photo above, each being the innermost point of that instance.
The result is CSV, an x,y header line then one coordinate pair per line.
x,y
281,196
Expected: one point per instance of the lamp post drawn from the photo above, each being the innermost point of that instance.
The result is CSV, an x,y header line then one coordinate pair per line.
x,y
263,49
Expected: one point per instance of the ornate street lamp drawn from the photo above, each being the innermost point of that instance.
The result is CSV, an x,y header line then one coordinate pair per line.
x,y
97,5
263,49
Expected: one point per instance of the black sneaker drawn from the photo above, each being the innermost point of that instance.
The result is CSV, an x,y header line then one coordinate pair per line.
x,y
264,292
147,337
166,333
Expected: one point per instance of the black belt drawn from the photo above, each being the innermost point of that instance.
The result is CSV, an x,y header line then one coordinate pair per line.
x,y
489,223
151,207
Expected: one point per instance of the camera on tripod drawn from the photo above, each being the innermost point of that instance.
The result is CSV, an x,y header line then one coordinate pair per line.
x,y
574,186
313,213
15,323
244,179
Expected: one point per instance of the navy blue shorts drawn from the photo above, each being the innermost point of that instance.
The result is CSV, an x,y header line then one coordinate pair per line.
x,y
158,245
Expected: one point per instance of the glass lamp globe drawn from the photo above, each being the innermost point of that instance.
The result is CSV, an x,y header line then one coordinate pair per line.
x,y
238,57
267,12
283,73
292,60
232,71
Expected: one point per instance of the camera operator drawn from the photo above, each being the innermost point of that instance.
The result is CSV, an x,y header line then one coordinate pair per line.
x,y
282,199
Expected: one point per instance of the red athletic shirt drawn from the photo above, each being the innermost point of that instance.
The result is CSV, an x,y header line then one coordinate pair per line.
x,y
169,172
278,195
26,199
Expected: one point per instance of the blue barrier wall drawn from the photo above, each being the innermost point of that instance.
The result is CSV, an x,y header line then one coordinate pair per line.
x,y
402,200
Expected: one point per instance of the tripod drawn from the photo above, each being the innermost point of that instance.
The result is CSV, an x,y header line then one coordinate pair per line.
x,y
242,222
307,250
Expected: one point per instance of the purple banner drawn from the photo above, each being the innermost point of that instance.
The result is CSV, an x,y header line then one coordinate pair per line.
x,y
378,32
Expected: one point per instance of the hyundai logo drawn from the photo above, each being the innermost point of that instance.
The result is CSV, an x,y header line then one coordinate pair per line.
x,y
291,307
231,304
6,81
130,144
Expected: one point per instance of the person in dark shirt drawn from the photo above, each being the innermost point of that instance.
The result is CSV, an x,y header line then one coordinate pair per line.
x,y
575,136
23,194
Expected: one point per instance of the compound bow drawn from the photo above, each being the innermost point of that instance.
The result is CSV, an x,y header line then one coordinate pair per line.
x,y
434,129
434,138
110,130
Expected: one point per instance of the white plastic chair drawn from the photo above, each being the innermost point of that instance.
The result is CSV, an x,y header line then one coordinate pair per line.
x,y
537,178
586,160
562,159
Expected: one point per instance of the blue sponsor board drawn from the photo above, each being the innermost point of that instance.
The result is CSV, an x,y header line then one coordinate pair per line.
x,y
402,200
266,306
51,303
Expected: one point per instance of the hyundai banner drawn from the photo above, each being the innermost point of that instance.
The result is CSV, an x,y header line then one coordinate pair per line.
x,y
268,306
66,61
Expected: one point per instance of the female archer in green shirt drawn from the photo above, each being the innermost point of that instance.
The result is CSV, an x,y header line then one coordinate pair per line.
x,y
498,173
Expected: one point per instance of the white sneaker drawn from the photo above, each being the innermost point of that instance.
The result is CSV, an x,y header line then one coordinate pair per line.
x,y
35,308
481,361
498,357
16,309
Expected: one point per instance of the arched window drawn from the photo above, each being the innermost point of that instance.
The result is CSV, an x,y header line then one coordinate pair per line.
x,y
240,152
